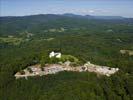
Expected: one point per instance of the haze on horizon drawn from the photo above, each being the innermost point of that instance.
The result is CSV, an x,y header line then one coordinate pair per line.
x,y
83,7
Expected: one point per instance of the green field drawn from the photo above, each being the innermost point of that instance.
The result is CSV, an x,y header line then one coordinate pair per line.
x,y
11,40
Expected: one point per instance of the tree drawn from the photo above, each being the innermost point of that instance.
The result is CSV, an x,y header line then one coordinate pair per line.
x,y
44,60
22,72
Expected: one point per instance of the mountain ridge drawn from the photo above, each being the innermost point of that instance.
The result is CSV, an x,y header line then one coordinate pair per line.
x,y
72,15
94,17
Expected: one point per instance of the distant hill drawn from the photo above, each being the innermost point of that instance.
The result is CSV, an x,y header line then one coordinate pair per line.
x,y
108,17
93,17
38,23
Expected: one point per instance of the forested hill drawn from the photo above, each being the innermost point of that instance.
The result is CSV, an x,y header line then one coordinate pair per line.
x,y
104,41
37,23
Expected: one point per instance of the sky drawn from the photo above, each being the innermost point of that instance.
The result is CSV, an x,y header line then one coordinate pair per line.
x,y
82,7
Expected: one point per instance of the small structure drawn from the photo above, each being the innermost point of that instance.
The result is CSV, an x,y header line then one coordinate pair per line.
x,y
55,54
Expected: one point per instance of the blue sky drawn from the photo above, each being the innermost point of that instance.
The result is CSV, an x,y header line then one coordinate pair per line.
x,y
84,7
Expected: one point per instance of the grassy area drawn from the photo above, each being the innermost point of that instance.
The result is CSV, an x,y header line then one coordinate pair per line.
x,y
49,39
57,30
11,40
69,57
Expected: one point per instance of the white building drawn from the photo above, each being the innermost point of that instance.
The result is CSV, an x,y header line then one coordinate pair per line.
x,y
55,54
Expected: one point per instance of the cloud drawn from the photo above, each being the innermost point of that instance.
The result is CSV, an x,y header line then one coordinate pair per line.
x,y
82,11
91,11
86,11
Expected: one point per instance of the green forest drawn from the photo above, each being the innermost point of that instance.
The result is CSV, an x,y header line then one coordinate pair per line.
x,y
26,40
